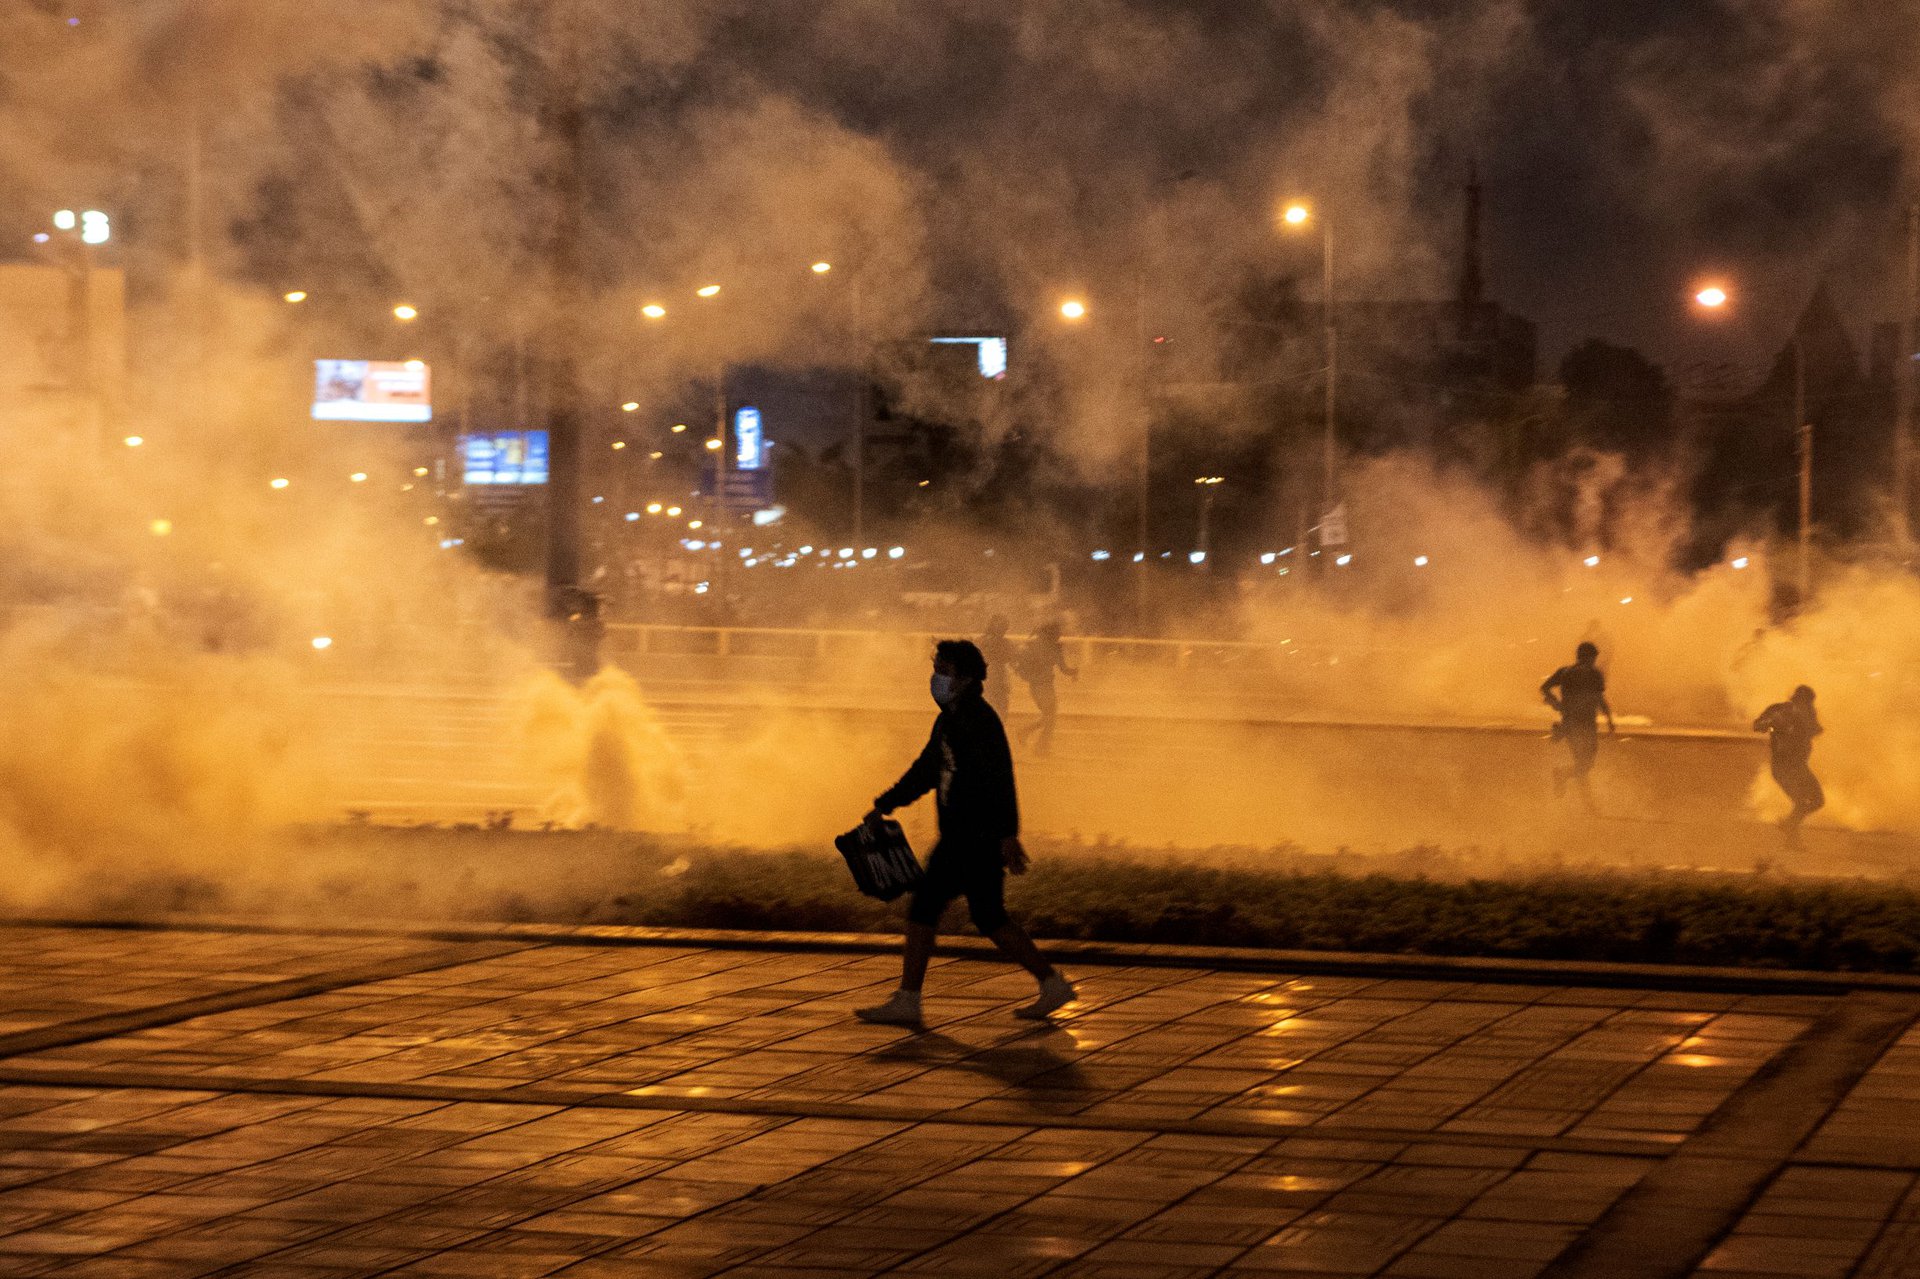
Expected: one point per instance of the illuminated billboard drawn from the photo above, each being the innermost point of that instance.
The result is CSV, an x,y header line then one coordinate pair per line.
x,y
505,457
990,353
750,453
372,391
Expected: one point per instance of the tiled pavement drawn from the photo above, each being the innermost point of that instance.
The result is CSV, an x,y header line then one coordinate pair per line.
x,y
362,1106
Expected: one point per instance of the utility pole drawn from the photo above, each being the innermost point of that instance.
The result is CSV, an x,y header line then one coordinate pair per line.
x,y
1803,439
1329,492
563,321
860,408
722,467
1143,407
1903,372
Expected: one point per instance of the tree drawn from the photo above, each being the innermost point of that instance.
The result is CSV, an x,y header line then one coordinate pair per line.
x,y
1618,400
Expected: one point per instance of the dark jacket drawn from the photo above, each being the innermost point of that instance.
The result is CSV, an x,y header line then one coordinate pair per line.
x,y
967,765
1791,730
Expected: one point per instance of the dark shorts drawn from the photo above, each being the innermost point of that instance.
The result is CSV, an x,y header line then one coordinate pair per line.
x,y
971,870
1583,743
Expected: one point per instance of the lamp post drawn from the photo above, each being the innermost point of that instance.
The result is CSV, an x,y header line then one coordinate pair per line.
x,y
857,285
1714,298
1296,215
1074,310
1206,484
1903,373
72,241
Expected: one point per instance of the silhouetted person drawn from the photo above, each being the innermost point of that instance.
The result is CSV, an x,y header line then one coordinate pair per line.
x,y
998,651
1579,693
1038,661
1791,727
967,765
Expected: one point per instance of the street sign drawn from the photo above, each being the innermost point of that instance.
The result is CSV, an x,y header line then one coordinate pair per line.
x,y
746,490
1333,526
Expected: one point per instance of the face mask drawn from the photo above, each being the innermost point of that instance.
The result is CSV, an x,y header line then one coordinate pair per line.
x,y
944,688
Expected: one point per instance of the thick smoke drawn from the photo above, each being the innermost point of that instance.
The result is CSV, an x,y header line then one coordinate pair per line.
x,y
957,161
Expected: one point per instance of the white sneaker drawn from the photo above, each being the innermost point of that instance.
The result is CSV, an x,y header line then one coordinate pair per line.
x,y
1056,992
903,1009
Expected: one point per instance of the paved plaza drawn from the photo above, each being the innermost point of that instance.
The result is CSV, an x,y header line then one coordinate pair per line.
x,y
188,1102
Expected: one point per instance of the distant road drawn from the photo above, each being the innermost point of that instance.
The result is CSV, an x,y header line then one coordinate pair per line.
x,y
1192,775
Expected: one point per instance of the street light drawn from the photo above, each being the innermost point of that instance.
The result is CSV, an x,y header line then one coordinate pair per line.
x,y
654,311
1073,309
821,268
707,290
1298,214
294,296
404,313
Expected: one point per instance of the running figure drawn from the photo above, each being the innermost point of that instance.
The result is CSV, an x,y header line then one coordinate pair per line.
x,y
1791,727
1042,657
997,651
1579,693
967,765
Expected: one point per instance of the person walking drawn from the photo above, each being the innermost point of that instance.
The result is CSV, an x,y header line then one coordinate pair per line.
x,y
997,651
1579,693
968,767
1791,727
1040,659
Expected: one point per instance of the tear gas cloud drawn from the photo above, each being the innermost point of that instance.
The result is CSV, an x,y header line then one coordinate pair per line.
x,y
958,162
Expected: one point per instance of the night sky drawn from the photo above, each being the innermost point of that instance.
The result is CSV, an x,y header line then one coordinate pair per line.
x,y
982,155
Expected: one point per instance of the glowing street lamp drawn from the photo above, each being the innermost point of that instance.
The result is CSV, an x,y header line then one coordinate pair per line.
x,y
294,296
821,268
65,220
631,406
1295,216
654,311
707,291
1712,297
404,313
1073,309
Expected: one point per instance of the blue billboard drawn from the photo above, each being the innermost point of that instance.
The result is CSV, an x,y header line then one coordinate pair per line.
x,y
750,449
505,457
